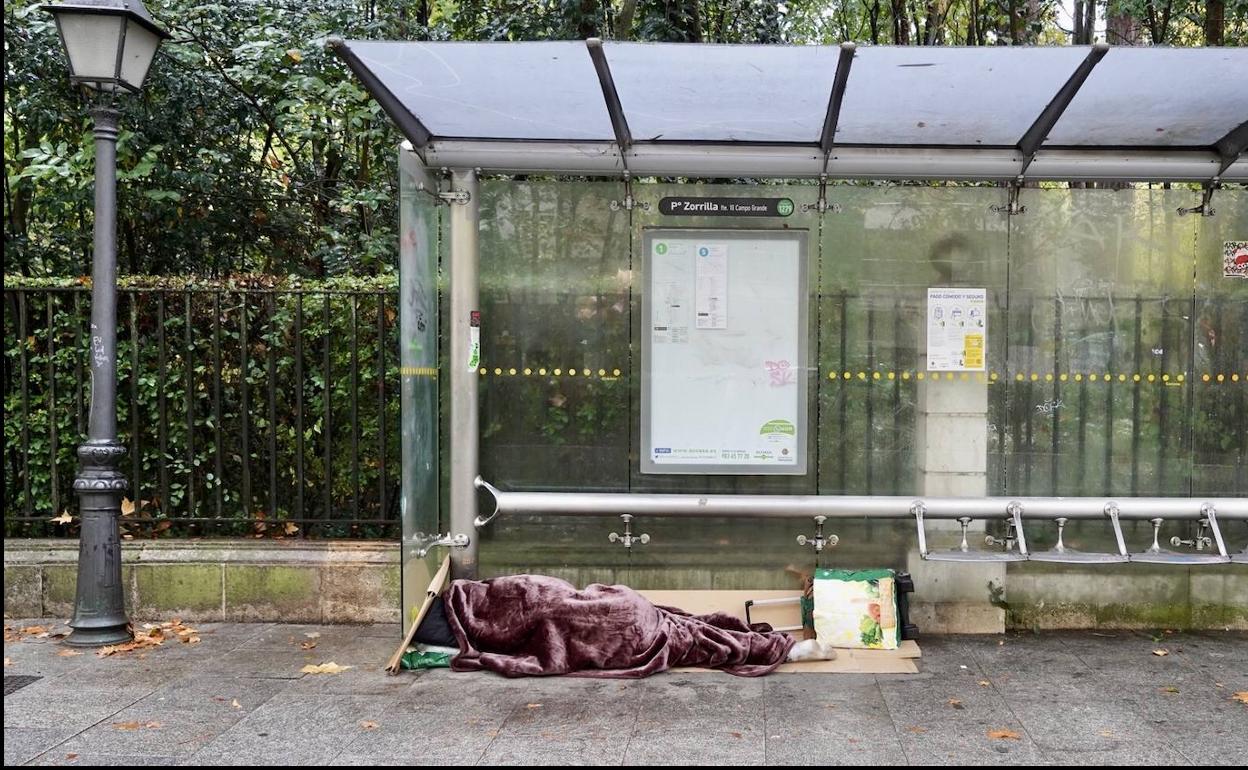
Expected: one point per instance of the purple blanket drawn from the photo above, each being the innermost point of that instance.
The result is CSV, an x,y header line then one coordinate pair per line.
x,y
531,625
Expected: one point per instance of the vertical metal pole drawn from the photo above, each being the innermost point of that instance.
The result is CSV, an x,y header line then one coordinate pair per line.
x,y
99,604
299,510
53,412
465,301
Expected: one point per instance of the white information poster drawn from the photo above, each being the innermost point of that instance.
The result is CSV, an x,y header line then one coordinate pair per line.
x,y
957,329
724,352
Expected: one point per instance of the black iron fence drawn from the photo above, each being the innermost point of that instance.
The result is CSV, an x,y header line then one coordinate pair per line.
x,y
262,410
247,409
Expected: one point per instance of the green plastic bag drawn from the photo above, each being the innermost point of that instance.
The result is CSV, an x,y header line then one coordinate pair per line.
x,y
427,657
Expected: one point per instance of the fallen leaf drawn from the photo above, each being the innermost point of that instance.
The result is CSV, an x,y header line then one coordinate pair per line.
x,y
1004,734
1241,696
127,725
35,631
984,683
533,706
127,506
71,756
307,645
192,640
735,734
294,54
291,528
64,518
367,725
1170,690
1105,734
236,704
312,634
152,725
916,730
957,704
1161,653
67,653
324,668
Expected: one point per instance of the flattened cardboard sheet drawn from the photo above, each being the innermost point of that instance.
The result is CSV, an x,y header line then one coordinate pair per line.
x,y
903,660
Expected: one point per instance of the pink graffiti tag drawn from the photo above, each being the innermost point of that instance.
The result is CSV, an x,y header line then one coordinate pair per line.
x,y
781,373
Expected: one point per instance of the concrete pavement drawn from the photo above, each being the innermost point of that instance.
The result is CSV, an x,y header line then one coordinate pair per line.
x,y
238,697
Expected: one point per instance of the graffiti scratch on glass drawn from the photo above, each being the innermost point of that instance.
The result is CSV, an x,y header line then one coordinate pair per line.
x,y
1050,406
781,373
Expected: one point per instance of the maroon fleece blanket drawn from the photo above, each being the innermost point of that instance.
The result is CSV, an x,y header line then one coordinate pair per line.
x,y
531,625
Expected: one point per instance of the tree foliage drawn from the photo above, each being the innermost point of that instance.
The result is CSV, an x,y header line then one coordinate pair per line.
x,y
252,149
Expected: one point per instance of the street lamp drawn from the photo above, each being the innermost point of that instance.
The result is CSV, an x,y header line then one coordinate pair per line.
x,y
110,44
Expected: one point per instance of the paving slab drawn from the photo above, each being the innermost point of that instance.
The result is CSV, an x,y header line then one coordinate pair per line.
x,y
239,698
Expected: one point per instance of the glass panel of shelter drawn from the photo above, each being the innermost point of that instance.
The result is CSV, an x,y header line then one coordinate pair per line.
x,y
530,90
745,93
944,95
419,505
1108,110
554,388
1089,271
1220,350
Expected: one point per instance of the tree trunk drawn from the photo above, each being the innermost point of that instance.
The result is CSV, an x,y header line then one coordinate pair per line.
x,y
901,24
587,21
624,20
1215,22
1121,28
1157,25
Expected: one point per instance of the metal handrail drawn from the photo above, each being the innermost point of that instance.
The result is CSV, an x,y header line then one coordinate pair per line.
x,y
852,506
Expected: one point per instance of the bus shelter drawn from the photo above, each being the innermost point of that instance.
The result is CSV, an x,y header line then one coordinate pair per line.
x,y
683,315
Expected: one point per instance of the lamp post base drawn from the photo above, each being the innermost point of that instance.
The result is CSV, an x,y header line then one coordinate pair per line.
x,y
99,605
99,637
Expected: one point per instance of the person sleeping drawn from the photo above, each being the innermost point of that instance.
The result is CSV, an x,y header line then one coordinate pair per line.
x,y
534,625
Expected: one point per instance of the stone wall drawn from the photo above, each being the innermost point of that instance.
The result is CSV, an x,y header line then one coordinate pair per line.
x,y
357,582
218,580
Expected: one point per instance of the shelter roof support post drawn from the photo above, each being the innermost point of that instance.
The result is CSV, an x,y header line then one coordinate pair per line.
x,y
615,110
465,358
408,123
1039,130
1228,148
827,139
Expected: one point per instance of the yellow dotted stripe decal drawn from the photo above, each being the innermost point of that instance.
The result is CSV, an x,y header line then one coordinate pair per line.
x,y
859,376
418,371
551,371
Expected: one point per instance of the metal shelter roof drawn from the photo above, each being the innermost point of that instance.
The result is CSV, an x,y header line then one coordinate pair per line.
x,y
792,111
